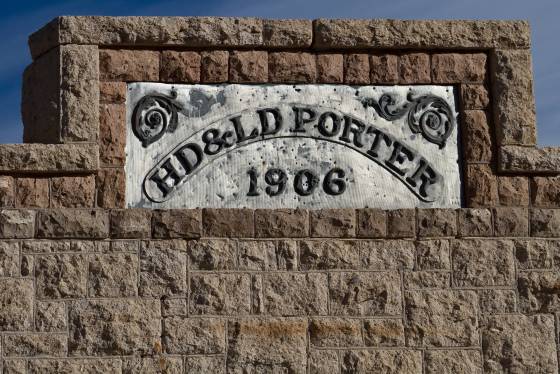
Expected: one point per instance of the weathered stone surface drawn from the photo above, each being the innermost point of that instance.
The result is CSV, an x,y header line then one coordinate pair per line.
x,y
267,345
384,333
356,69
214,66
73,223
112,134
517,159
329,223
175,307
14,366
401,223
71,366
257,255
289,294
436,222
323,361
511,221
382,361
365,294
111,185
287,33
16,304
217,294
441,318
61,276
539,291
180,67
113,275
545,222
287,255
128,65
497,301
153,365
32,193
163,268
414,68
384,69
27,265
194,335
386,255
45,246
212,254
372,223
459,68
474,96
335,332
453,362
519,344
7,192
330,68
292,67
30,345
483,262
329,254
474,222
415,280
545,192
50,316
537,254
17,223
112,92
73,192
177,223
206,364
9,259
231,223
481,188
343,33
114,327
248,66
57,158
131,223
476,136
433,254
281,223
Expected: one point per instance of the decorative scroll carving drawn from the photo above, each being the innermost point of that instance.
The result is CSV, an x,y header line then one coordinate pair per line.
x,y
153,116
427,114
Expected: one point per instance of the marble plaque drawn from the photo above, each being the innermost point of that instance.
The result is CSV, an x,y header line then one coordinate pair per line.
x,y
289,146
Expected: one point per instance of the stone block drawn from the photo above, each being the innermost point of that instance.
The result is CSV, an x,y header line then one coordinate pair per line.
x,y
7,192
32,193
292,67
401,223
177,223
481,188
61,276
113,275
511,221
379,361
545,222
75,365
415,280
287,33
281,223
497,301
183,335
206,364
17,223
174,307
386,255
356,69
330,68
477,140
45,246
287,255
384,69
73,223
433,254
114,327
537,254
439,318
160,364
32,345
292,294
180,67
329,254
16,304
124,65
335,332
112,92
539,291
73,192
436,222
14,366
230,223
529,340
414,68
545,192
214,66
329,223
220,294
449,68
474,222
257,255
212,254
45,158
50,316
112,134
163,268
271,344
248,67
478,263
111,186
522,159
453,362
9,259
474,96
323,361
384,333
131,223
372,223
365,294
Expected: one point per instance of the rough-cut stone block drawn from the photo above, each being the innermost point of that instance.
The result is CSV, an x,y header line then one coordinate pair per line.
x,y
160,364
163,268
32,193
50,316
257,255
329,254
113,275
545,222
365,294
16,304
436,222
206,364
14,366
292,67
448,68
73,223
177,223
128,65
441,318
433,254
386,255
194,335
477,140
273,345
519,344
539,292
287,33
384,69
110,185
175,307
281,223
231,223
31,345
537,254
372,223
289,294
69,366
335,332
287,255
356,69
481,188
248,67
323,361
73,192
112,134
384,333
483,262
520,159
545,192
511,221
401,223
497,301
44,158
337,223
474,222
114,327
514,191
180,67
112,92
414,280
212,255
330,68
228,294
17,223
61,276
382,361
453,362
474,96
214,66
7,192
343,33
414,68
131,223
45,246
9,259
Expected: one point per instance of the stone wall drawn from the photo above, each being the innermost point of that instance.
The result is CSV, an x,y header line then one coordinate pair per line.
x,y
87,286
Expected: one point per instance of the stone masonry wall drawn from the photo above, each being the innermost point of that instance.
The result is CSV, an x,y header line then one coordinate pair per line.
x,y
87,286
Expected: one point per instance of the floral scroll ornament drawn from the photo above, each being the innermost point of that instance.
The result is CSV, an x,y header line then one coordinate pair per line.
x,y
153,116
427,114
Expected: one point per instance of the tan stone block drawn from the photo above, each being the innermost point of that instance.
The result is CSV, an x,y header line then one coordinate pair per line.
x,y
378,361
131,223
436,222
522,159
160,364
372,223
295,294
343,34
74,365
9,259
163,268
330,68
112,134
50,316
113,275
513,191
179,67
214,66
497,301
545,192
453,362
31,345
61,276
257,255
177,223
433,254
175,307
32,192
545,222
537,254
126,65
335,332
323,361
14,366
538,291
287,33
16,304
474,96
212,254
183,335
477,141
27,265
56,158
112,92
206,364
232,223
511,221
17,223
281,223
356,69
414,68
7,192
416,280
227,294
339,223
73,223
474,222
384,333
292,67
401,223
287,255
386,254
329,254
110,185
448,68
248,67
73,192
481,186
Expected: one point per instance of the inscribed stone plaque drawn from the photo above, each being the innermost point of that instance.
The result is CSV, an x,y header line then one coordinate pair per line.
x,y
287,146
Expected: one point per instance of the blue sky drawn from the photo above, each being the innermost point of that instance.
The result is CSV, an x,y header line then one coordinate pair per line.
x,y
20,18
